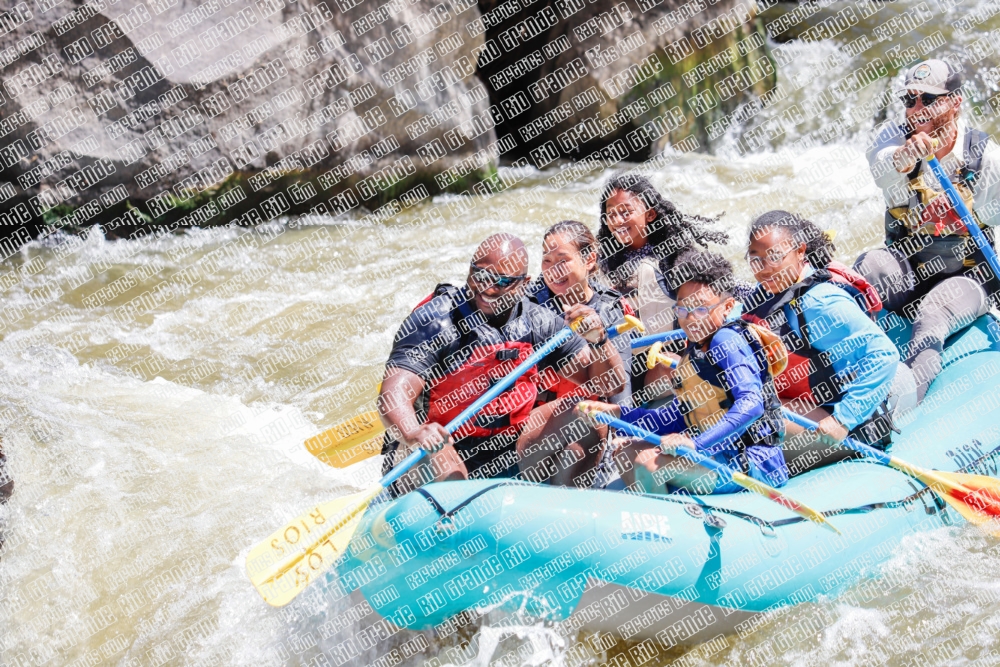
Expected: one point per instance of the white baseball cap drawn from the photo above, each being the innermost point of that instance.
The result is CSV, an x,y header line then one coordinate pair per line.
x,y
933,76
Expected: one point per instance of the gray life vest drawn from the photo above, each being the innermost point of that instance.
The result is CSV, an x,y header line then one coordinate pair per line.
x,y
906,229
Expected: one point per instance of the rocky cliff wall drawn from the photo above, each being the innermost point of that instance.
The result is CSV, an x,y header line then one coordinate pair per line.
x,y
620,79
131,112
170,105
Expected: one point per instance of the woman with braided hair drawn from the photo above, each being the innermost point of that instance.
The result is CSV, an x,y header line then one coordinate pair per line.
x,y
641,236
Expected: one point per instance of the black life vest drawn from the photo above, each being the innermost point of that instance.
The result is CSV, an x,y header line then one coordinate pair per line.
x,y
704,395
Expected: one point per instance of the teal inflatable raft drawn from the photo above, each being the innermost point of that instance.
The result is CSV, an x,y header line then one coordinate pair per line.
x,y
679,569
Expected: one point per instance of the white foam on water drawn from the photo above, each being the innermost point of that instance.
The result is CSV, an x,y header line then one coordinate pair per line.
x,y
534,645
138,498
199,477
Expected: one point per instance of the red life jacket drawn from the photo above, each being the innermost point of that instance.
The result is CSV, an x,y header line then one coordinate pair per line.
x,y
485,366
552,381
551,385
855,284
809,375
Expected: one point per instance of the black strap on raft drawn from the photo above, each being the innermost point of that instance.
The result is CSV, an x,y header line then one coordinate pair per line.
x,y
432,500
446,515
765,526
769,526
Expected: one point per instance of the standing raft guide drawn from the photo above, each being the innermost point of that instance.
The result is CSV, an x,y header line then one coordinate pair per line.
x,y
528,471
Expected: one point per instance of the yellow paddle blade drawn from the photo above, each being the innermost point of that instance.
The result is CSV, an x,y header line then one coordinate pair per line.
x,y
772,493
975,497
284,564
348,442
347,454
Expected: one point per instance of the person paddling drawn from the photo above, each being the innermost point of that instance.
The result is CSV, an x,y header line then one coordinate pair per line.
x,y
641,236
724,405
449,350
569,262
930,271
569,268
841,364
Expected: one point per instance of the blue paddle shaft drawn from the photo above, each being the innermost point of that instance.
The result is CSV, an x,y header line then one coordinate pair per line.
x,y
646,341
850,443
652,438
505,383
494,391
970,224
403,467
613,331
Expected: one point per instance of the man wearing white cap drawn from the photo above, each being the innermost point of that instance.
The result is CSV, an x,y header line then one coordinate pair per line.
x,y
928,252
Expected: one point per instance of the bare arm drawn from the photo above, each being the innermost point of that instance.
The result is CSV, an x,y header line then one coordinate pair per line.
x,y
600,368
400,389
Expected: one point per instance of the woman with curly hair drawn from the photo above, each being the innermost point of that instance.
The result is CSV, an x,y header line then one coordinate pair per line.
x,y
641,236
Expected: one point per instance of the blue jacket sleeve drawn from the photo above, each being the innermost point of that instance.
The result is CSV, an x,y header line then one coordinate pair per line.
x,y
660,421
854,344
742,375
740,372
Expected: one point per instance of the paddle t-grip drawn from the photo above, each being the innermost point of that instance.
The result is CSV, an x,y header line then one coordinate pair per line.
x,y
630,323
656,357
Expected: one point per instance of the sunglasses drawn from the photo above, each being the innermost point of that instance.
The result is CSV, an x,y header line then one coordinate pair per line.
x,y
487,279
699,312
773,258
910,101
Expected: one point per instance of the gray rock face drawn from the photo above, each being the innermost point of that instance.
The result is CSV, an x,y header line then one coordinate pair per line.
x,y
619,79
200,112
172,103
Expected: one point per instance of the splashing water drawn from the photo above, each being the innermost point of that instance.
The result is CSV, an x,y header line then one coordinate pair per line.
x,y
155,394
